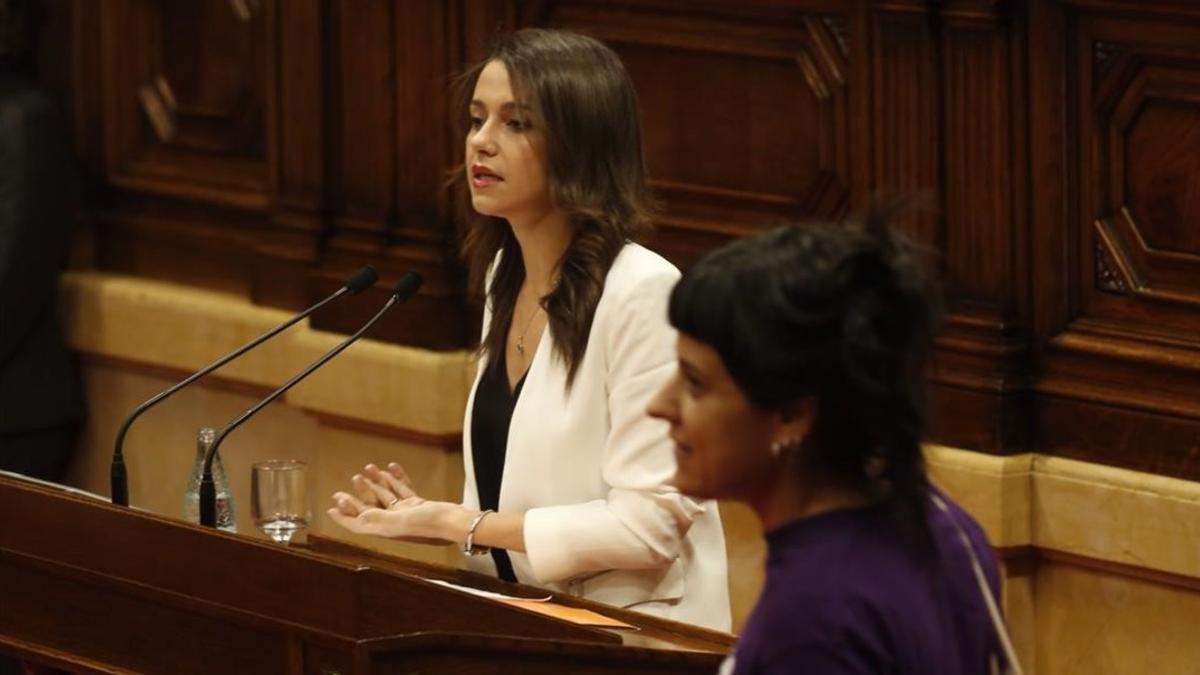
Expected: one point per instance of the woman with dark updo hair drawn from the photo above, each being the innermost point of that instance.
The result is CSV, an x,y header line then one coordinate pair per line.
x,y
799,392
566,476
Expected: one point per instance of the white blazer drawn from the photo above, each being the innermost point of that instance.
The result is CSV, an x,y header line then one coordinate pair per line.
x,y
589,468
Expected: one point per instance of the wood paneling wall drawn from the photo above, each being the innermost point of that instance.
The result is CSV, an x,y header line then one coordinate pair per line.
x,y
1116,160
271,147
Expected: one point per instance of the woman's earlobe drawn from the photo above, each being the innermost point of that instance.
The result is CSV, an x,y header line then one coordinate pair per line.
x,y
795,423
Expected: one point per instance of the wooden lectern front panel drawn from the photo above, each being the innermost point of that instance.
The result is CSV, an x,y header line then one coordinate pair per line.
x,y
91,587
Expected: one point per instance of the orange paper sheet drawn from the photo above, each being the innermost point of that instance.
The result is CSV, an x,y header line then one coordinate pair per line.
x,y
585,617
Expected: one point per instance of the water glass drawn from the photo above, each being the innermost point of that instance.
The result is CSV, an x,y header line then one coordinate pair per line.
x,y
279,498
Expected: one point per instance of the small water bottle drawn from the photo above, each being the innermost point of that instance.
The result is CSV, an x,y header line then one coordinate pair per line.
x,y
191,498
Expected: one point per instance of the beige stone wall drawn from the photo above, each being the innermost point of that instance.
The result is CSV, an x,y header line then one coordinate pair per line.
x,y
1103,563
1089,621
1109,581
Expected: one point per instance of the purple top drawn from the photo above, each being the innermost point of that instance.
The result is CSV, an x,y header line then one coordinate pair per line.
x,y
844,594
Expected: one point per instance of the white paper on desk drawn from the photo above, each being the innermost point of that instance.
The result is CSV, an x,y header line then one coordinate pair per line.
x,y
56,486
485,594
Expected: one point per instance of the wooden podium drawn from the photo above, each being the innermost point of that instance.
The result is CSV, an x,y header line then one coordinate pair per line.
x,y
90,587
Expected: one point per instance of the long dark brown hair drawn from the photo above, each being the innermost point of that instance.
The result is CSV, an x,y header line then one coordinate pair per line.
x,y
584,104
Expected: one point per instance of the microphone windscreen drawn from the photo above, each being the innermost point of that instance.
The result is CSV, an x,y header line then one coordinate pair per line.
x,y
362,279
407,286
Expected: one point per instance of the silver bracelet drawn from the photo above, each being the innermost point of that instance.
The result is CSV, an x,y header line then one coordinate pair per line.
x,y
469,546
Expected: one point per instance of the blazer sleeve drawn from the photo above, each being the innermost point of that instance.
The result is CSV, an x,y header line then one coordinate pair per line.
x,y
643,521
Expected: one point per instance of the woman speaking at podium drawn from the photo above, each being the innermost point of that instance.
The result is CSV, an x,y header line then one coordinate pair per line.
x,y
566,475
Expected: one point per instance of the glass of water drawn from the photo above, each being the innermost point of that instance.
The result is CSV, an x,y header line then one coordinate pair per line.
x,y
279,498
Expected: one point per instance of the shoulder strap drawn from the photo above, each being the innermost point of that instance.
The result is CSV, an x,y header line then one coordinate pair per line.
x,y
1010,654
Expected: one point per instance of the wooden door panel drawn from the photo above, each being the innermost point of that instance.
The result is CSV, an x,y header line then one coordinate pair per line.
x,y
745,110
1139,115
1118,289
187,99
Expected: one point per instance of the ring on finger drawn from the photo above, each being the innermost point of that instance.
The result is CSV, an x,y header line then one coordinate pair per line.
x,y
393,502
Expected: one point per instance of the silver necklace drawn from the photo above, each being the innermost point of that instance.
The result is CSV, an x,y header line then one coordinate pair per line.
x,y
521,337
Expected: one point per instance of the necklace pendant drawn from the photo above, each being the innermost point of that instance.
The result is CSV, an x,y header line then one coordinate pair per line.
x,y
521,345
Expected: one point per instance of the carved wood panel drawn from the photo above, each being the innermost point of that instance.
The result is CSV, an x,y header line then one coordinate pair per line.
x,y
288,244
905,124
1056,140
1119,287
207,133
1142,109
745,111
392,147
981,367
185,99
1138,113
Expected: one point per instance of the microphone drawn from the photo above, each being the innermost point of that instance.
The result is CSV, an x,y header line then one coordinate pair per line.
x,y
404,289
359,281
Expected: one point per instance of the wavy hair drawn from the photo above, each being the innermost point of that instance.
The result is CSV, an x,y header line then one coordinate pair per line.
x,y
583,102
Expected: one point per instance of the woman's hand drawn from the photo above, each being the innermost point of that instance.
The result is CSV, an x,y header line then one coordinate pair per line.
x,y
375,487
414,519
384,504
